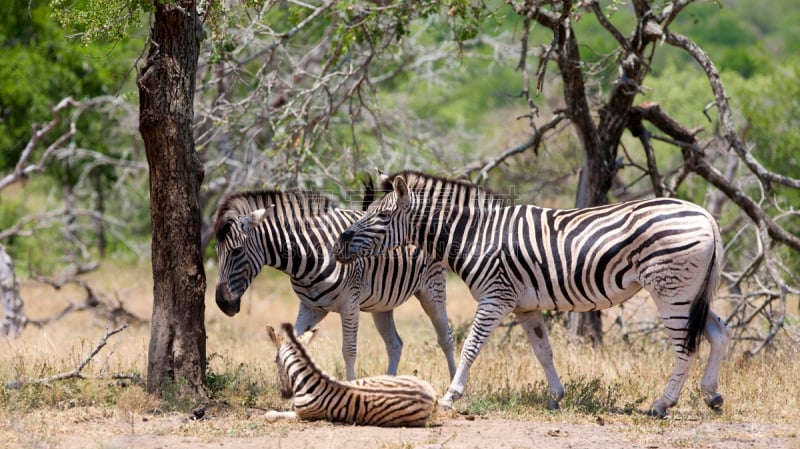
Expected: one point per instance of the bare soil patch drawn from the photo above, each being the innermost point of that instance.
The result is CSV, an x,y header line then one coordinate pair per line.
x,y
93,429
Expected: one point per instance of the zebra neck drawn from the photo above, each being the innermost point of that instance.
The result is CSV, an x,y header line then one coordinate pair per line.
x,y
305,376
302,247
449,234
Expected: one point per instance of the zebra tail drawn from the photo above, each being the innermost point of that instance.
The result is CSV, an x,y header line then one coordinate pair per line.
x,y
701,305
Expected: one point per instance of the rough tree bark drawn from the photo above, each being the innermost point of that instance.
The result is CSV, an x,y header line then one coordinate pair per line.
x,y
177,353
12,307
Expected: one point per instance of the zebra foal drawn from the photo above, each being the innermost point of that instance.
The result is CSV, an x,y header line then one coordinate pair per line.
x,y
294,232
525,259
386,401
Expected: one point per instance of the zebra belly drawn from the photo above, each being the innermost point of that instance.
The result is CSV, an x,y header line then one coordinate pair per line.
x,y
530,299
373,304
380,295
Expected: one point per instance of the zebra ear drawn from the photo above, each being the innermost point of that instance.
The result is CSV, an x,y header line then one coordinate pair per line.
x,y
255,218
382,177
307,336
277,341
401,192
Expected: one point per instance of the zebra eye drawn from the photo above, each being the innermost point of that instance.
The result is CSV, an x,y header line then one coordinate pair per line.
x,y
384,214
236,251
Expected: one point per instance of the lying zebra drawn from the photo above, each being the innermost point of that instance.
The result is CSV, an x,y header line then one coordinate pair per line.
x,y
387,401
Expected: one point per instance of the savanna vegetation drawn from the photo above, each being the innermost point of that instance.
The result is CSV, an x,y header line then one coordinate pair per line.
x,y
690,99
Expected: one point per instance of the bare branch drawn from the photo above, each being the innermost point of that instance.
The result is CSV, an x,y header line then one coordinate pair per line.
x,y
725,113
78,371
594,7
112,311
696,162
47,219
533,142
638,130
21,171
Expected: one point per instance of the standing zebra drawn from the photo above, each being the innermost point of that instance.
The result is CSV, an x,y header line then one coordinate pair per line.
x,y
388,401
294,231
526,259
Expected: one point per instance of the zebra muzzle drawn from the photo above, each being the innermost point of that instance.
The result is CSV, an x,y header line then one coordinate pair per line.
x,y
225,301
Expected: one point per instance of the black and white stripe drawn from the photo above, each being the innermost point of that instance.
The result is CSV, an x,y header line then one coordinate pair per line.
x,y
527,259
294,231
387,401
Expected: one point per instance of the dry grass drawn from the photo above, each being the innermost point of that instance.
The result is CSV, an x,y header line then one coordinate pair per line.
x,y
611,384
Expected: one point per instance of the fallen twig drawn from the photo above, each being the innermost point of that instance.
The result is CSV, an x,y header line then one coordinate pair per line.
x,y
77,372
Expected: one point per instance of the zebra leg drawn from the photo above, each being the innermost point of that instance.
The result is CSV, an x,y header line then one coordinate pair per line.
x,y
533,323
307,317
274,415
718,334
683,362
384,322
349,314
434,307
675,324
488,316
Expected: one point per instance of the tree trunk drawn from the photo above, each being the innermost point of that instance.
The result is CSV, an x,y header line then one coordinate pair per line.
x,y
177,352
594,183
598,157
13,314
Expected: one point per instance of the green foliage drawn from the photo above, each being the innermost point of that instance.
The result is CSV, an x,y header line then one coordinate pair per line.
x,y
39,67
93,21
770,103
740,36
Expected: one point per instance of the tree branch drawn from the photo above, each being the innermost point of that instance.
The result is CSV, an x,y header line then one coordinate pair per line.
x,y
78,371
725,114
533,142
696,162
21,171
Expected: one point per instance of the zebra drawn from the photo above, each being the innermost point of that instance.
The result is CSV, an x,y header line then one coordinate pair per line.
x,y
387,401
527,259
294,231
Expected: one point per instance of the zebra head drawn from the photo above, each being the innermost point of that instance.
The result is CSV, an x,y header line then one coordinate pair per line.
x,y
290,357
238,262
383,227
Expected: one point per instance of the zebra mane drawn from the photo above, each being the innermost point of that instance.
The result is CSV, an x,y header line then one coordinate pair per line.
x,y
417,180
370,193
289,203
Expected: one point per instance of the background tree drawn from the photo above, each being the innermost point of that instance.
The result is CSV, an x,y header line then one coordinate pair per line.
x,y
325,64
177,355
531,97
166,82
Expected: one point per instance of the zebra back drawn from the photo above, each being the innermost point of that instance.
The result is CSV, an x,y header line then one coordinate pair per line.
x,y
385,401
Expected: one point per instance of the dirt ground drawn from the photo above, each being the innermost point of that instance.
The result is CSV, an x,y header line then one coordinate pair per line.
x,y
87,431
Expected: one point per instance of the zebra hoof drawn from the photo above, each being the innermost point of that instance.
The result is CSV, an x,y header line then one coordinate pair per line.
x,y
714,401
445,404
659,409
